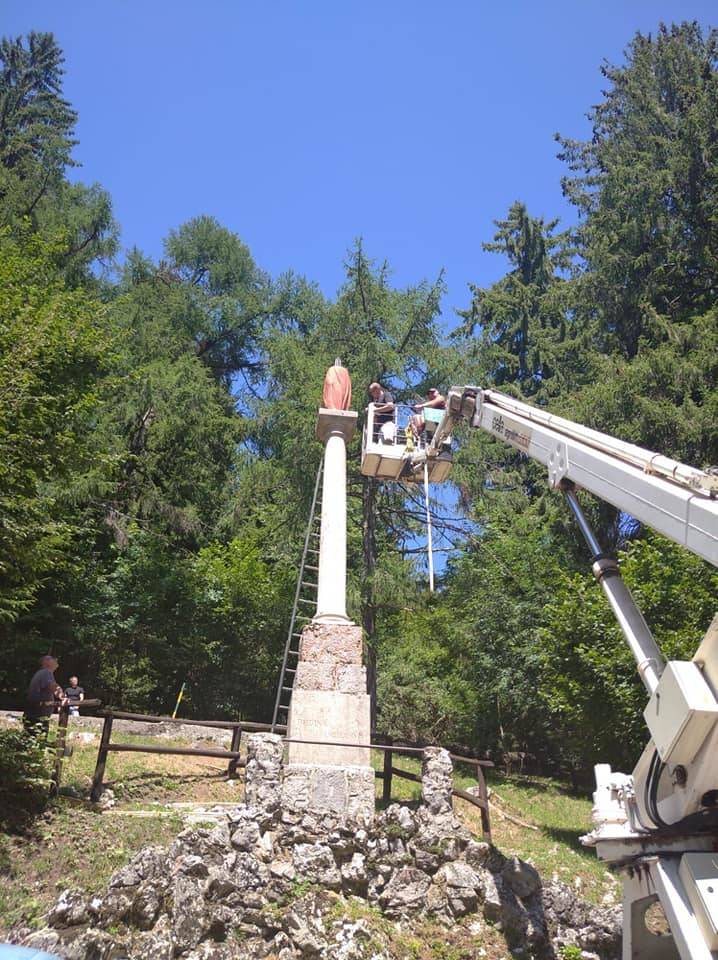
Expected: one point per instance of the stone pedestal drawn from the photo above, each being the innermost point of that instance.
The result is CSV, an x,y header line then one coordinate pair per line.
x,y
330,704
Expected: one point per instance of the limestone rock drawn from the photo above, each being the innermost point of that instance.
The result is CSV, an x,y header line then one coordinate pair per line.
x,y
265,848
263,783
229,893
146,905
315,862
491,887
71,909
115,905
246,834
282,869
126,876
461,884
304,925
191,866
150,863
220,885
436,900
209,950
87,945
249,873
107,799
426,860
155,944
209,845
405,892
189,917
478,854
354,874
575,922
45,939
523,879
397,820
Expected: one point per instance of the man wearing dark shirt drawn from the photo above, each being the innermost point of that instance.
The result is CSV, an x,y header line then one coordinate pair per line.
x,y
41,696
74,694
383,408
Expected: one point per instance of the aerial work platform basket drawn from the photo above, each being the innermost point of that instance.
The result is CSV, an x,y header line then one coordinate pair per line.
x,y
386,455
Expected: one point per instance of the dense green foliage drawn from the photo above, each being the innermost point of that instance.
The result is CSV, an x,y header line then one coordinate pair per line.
x,y
157,450
24,779
51,356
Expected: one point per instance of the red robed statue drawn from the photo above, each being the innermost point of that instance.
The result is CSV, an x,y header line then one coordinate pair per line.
x,y
337,388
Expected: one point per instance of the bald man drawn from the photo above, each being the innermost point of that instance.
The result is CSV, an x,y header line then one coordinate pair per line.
x,y
42,694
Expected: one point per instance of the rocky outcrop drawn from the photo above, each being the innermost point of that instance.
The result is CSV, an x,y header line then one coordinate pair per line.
x,y
287,885
280,881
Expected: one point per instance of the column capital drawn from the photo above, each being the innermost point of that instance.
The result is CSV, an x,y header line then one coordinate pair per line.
x,y
342,422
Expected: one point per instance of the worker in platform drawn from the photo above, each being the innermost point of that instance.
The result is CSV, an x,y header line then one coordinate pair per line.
x,y
383,413
434,401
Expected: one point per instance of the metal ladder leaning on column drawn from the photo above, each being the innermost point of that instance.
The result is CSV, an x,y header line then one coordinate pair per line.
x,y
305,605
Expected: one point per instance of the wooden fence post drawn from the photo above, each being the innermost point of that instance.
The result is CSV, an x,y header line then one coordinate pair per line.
x,y
59,749
386,786
96,791
484,797
236,743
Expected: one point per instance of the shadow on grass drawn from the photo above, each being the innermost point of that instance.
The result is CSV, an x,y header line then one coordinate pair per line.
x,y
569,838
211,774
543,785
380,804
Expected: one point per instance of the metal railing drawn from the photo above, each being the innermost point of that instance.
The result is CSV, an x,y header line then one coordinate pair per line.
x,y
399,421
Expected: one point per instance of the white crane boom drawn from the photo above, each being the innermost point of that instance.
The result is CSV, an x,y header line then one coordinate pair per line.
x,y
672,498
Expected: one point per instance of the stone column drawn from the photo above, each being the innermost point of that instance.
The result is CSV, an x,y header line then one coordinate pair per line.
x,y
329,703
335,428
437,780
262,786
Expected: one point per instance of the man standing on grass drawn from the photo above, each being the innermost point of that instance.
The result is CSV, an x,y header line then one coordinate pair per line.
x,y
74,694
42,695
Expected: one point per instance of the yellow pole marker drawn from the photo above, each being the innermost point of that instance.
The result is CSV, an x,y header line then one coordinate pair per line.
x,y
179,700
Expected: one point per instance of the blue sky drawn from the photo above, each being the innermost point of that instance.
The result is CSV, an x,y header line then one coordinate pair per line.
x,y
302,125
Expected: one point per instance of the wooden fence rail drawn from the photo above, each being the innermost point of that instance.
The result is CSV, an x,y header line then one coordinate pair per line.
x,y
232,755
388,771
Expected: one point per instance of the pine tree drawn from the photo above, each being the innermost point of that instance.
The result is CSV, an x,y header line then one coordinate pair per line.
x,y
36,141
646,189
521,321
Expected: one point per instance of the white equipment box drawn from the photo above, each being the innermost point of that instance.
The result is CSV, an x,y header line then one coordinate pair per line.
x,y
681,712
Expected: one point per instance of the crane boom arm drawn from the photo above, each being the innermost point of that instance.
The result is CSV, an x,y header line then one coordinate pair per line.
x,y
672,498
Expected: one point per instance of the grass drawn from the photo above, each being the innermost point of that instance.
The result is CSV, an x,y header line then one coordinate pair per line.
x,y
70,846
144,777
73,844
